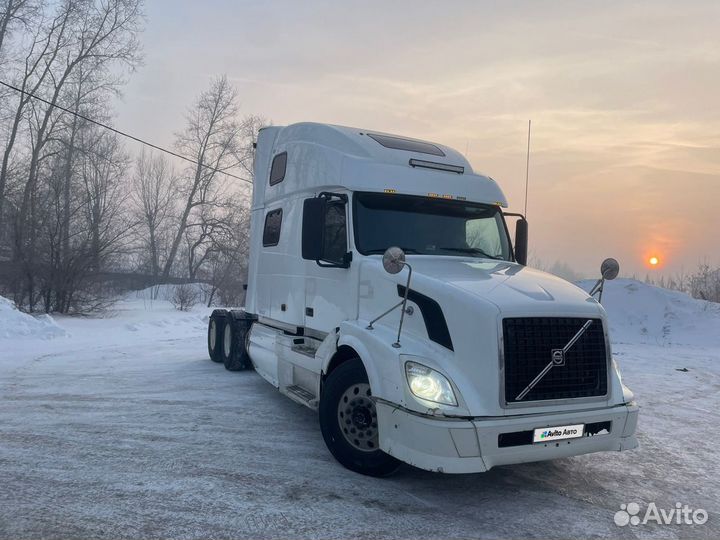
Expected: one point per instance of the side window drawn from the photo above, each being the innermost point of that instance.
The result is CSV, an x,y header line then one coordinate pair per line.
x,y
271,232
335,232
484,234
277,171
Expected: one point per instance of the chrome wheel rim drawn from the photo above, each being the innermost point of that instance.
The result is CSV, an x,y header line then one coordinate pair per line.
x,y
227,340
357,418
213,334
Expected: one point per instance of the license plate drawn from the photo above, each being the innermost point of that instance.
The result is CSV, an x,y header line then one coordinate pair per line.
x,y
548,434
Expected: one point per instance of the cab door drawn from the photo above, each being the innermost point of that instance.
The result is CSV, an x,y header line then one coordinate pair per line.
x,y
331,276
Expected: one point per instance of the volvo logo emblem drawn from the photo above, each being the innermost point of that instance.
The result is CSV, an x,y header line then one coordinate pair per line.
x,y
558,357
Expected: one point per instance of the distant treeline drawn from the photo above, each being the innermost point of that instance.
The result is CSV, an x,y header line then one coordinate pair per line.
x,y
76,204
703,283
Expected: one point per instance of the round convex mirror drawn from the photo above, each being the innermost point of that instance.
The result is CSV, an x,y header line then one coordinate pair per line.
x,y
610,269
393,260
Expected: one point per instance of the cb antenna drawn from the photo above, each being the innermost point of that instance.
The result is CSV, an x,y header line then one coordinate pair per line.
x,y
527,168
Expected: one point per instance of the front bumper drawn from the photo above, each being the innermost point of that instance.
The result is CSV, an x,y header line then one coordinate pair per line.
x,y
472,445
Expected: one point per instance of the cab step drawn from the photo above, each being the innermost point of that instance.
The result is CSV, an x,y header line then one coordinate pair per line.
x,y
304,349
301,395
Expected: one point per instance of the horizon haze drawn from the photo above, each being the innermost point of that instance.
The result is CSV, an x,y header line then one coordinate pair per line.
x,y
625,158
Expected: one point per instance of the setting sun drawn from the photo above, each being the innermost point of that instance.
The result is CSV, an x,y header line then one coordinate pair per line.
x,y
653,261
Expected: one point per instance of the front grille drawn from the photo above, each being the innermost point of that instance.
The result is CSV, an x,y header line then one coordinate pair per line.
x,y
528,342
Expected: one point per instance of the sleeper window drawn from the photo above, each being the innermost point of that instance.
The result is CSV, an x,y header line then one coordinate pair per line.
x,y
277,171
271,232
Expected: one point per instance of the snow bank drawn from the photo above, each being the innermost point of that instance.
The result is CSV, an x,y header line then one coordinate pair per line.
x,y
639,314
15,324
645,314
165,292
150,312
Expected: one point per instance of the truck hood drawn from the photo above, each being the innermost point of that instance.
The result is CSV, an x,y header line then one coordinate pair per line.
x,y
474,296
513,288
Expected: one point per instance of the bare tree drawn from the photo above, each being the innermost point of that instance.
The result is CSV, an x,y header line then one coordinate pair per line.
x,y
102,33
213,224
89,40
184,296
213,137
705,283
44,47
64,184
104,170
154,185
13,12
67,266
250,127
228,262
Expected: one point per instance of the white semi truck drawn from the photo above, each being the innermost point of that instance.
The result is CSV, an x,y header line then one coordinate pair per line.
x,y
385,292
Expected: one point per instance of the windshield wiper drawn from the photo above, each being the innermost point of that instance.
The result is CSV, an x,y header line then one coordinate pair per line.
x,y
379,250
474,251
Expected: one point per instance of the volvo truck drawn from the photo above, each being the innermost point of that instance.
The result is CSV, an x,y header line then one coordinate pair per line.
x,y
386,292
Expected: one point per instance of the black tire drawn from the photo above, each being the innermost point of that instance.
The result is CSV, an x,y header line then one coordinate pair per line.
x,y
358,456
215,328
233,351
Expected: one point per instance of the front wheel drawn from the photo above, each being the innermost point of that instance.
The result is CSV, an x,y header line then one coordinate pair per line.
x,y
348,421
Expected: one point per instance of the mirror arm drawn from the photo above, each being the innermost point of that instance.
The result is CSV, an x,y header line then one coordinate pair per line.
x,y
404,306
402,303
376,319
598,288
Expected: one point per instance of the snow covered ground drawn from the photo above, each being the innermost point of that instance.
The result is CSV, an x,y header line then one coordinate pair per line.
x,y
120,427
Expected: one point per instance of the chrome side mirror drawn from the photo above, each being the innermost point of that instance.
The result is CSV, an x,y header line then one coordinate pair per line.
x,y
609,270
393,262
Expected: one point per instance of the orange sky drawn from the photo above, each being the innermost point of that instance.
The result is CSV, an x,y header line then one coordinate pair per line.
x,y
623,98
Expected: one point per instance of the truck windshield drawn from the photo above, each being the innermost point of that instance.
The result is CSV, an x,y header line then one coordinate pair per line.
x,y
429,226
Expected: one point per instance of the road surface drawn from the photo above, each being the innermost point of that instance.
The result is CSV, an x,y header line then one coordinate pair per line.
x,y
105,436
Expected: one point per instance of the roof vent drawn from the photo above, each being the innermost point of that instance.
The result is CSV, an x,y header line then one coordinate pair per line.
x,y
409,145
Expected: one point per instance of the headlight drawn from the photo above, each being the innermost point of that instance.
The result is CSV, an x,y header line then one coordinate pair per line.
x,y
428,384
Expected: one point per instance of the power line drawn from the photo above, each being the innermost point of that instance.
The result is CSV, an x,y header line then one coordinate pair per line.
x,y
122,133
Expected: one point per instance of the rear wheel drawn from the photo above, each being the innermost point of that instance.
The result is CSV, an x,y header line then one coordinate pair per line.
x,y
348,421
234,351
214,338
